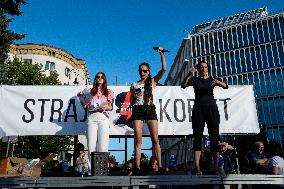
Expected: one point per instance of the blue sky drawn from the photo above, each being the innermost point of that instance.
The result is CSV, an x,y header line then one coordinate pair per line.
x,y
114,36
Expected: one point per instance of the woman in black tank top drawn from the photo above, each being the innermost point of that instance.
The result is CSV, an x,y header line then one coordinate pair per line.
x,y
204,111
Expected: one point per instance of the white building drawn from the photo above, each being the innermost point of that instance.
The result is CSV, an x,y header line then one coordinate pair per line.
x,y
71,70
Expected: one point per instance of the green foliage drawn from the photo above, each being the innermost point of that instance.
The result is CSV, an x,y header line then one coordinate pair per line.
x,y
38,146
20,73
112,158
7,37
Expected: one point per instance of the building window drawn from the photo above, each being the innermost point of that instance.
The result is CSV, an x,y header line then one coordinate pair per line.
x,y
67,72
51,53
50,66
28,61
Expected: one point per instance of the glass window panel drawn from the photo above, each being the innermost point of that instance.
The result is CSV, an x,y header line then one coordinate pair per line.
x,y
223,64
249,31
213,61
202,45
238,61
260,32
235,80
230,39
248,59
239,37
245,36
218,65
255,33
221,40
262,83
243,60
256,84
265,31
258,57
263,57
211,43
271,26
281,20
233,62
269,58
277,28
47,65
216,43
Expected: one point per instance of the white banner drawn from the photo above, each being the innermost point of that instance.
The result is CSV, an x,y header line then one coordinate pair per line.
x,y
56,110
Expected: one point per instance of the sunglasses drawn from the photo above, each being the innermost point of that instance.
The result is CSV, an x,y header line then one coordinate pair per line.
x,y
144,71
100,77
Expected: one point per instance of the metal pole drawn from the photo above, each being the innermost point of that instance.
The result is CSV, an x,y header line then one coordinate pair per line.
x,y
185,154
237,159
125,149
8,146
13,150
75,150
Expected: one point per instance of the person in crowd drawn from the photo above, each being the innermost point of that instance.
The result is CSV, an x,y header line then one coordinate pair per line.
x,y
98,101
66,165
227,159
204,111
276,165
143,109
258,158
153,166
81,166
128,168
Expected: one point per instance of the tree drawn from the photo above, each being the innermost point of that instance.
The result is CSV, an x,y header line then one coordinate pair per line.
x,y
21,73
7,37
112,158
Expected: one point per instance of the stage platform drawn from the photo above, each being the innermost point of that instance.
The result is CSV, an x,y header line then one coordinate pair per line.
x,y
167,181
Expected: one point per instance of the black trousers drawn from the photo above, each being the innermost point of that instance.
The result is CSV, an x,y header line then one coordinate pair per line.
x,y
208,114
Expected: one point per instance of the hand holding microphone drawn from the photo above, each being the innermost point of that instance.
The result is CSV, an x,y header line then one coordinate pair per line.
x,y
161,49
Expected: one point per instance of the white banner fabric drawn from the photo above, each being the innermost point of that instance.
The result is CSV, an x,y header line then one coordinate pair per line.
x,y
56,110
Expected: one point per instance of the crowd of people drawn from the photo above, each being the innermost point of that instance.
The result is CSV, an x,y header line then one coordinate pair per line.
x,y
255,161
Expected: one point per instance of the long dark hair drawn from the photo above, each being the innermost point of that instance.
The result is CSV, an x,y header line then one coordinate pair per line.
x,y
95,89
148,96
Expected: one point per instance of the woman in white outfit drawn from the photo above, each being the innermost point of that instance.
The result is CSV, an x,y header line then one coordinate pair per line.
x,y
98,101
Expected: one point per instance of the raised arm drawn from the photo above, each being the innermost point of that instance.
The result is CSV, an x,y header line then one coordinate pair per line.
x,y
164,66
185,82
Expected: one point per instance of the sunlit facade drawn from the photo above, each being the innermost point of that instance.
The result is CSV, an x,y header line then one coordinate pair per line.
x,y
71,70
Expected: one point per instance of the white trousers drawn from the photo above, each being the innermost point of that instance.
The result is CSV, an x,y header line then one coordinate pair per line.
x,y
98,132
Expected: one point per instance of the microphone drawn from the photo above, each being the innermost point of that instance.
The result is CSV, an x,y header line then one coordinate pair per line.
x,y
163,51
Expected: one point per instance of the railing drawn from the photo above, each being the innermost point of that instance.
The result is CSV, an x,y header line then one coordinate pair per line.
x,y
136,181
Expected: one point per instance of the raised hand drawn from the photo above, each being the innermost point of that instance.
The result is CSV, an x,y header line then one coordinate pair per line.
x,y
216,82
193,69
